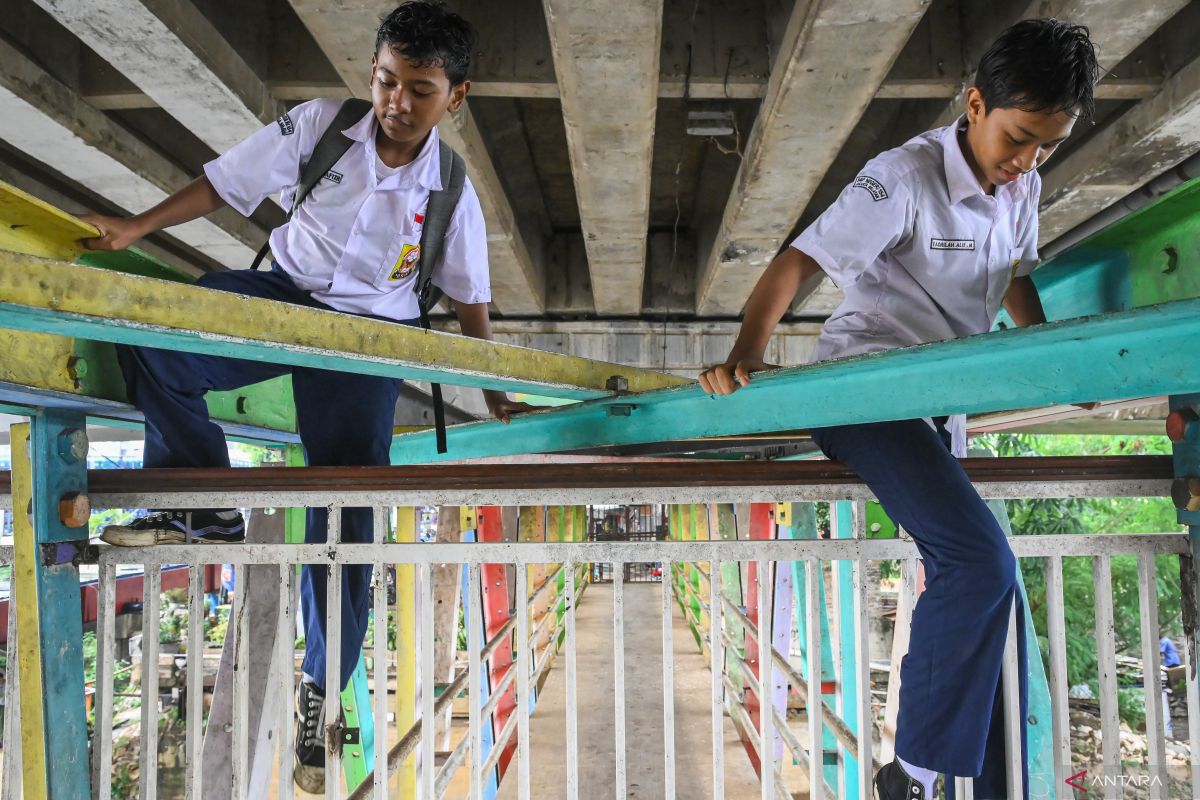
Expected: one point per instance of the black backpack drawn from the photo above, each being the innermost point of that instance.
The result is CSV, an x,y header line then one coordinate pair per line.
x,y
332,146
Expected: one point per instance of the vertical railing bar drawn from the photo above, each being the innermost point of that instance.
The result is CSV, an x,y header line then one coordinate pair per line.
x,y
837,637
379,775
523,667
766,700
862,646
1156,750
194,744
240,743
1193,708
815,704
151,604
474,646
572,694
1012,707
106,636
669,685
619,677
716,627
333,660
428,732
285,645
12,787
1056,633
1106,662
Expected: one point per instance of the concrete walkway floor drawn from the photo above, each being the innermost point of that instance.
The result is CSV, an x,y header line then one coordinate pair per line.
x,y
643,710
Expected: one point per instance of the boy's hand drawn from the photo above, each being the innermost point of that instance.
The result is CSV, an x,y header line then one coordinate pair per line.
x,y
727,378
116,233
501,407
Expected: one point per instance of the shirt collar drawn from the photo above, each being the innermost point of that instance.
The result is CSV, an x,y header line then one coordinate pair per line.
x,y
961,182
427,167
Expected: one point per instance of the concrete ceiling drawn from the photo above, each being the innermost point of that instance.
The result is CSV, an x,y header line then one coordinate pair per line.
x,y
599,204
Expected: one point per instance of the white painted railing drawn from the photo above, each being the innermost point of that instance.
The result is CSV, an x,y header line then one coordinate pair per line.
x,y
530,664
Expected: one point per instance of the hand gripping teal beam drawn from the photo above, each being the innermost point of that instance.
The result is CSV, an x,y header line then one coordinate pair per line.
x,y
1141,353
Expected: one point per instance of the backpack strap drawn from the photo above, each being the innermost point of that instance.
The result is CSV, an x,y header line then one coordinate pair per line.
x,y
438,213
330,147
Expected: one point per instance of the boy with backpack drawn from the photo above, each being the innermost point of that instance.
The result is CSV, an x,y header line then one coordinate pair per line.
x,y
926,243
382,216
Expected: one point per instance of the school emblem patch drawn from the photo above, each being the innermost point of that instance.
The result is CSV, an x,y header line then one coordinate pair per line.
x,y
286,127
410,254
872,186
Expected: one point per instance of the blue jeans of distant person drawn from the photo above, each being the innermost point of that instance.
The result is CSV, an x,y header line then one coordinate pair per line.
x,y
951,706
343,419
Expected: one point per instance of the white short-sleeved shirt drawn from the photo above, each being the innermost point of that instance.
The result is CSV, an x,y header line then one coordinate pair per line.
x,y
921,252
354,242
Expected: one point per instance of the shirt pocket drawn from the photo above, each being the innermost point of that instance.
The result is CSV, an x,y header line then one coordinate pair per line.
x,y
401,261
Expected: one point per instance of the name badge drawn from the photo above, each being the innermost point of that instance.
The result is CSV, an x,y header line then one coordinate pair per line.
x,y
951,244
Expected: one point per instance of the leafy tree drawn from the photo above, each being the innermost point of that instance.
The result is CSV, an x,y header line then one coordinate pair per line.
x,y
1077,516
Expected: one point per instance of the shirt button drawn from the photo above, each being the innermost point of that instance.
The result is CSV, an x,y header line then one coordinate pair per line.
x,y
329,285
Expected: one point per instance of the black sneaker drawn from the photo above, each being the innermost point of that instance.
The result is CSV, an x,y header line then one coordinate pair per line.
x,y
309,770
893,783
207,525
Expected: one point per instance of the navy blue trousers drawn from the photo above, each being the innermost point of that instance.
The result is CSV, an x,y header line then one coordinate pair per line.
x,y
951,706
343,420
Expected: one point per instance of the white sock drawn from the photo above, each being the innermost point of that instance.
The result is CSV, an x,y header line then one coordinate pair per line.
x,y
925,777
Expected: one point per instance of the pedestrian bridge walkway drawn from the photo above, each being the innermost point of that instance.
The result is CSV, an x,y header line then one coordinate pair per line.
x,y
644,743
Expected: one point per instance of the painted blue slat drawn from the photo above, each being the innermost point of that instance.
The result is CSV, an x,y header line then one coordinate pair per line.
x,y
1141,353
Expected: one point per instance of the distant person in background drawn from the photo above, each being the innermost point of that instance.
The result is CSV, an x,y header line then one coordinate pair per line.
x,y
1169,658
1166,649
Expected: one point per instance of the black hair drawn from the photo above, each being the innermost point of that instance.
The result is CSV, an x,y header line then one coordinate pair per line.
x,y
429,35
1041,65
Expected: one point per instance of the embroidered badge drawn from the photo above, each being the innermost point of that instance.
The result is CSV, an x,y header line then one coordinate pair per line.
x,y
285,125
1016,263
874,187
418,218
410,254
951,244
336,177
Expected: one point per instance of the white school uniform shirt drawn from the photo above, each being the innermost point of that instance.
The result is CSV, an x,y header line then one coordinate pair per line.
x,y
354,242
920,251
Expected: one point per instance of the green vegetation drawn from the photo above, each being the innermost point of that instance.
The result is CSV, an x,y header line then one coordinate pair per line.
x,y
1075,516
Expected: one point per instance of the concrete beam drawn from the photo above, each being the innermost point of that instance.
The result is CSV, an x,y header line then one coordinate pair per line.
x,y
345,33
1152,137
610,134
748,87
680,348
172,53
54,125
414,408
1117,28
812,104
